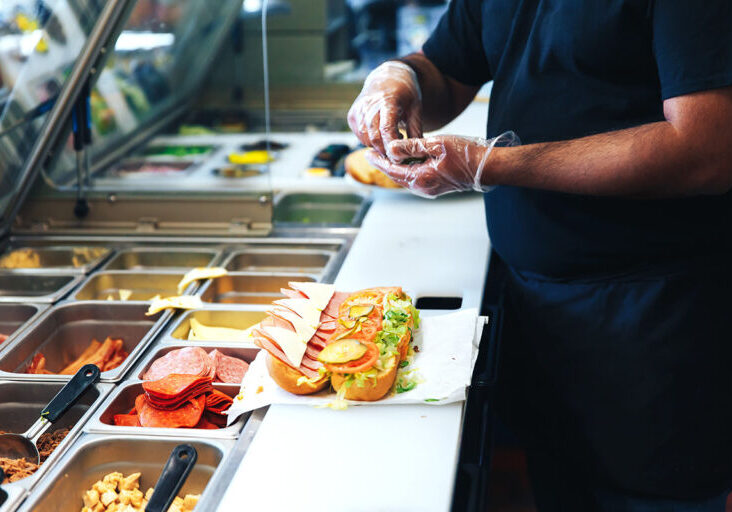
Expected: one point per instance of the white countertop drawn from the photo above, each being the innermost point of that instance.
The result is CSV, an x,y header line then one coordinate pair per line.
x,y
376,458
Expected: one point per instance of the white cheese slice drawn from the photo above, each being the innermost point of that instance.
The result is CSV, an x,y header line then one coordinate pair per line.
x,y
319,293
304,308
199,273
302,328
290,343
180,302
203,332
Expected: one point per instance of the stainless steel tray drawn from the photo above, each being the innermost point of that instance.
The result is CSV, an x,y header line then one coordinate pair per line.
x,y
177,333
64,258
249,288
64,331
145,258
142,285
122,400
93,456
303,261
22,402
24,286
246,352
14,318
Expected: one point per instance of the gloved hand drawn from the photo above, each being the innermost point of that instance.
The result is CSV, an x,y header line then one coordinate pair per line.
x,y
390,99
434,166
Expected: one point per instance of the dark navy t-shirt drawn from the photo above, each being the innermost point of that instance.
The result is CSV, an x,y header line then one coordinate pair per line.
x,y
569,68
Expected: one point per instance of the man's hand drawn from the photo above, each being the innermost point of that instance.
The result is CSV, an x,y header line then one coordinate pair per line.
x,y
390,98
439,165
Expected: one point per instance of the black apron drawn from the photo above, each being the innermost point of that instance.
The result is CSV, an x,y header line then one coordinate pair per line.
x,y
629,378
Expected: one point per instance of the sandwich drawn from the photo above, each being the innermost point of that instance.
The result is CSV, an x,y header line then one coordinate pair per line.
x,y
371,341
354,341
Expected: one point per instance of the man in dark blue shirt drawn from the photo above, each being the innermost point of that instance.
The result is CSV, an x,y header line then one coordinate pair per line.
x,y
614,220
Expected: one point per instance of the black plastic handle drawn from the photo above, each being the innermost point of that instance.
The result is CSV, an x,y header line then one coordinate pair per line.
x,y
71,392
3,494
176,470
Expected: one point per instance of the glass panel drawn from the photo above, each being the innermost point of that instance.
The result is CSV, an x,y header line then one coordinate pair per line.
x,y
159,59
40,41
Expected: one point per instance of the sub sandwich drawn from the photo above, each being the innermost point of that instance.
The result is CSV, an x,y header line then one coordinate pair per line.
x,y
354,341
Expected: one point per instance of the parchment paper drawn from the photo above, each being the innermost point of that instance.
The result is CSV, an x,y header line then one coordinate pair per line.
x,y
447,350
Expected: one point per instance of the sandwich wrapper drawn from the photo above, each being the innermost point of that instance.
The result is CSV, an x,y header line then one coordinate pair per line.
x,y
448,348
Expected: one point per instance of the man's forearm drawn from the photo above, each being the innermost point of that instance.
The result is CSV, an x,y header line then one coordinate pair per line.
x,y
651,160
443,99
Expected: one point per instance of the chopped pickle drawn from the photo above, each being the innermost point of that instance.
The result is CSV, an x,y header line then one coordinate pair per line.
x,y
342,351
360,310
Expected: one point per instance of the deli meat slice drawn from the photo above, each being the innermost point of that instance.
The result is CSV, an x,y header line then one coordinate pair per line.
x,y
186,416
188,360
266,344
338,298
292,294
229,369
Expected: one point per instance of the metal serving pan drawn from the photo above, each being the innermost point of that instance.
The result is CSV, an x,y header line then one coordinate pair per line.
x,y
15,317
249,288
22,402
245,352
290,260
142,285
235,319
94,456
144,258
67,258
122,400
21,286
63,332
320,209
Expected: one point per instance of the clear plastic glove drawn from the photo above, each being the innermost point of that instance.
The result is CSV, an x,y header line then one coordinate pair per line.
x,y
434,166
390,99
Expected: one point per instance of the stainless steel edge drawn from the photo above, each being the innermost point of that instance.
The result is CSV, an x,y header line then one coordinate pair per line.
x,y
125,274
83,269
216,255
115,375
30,321
168,336
231,464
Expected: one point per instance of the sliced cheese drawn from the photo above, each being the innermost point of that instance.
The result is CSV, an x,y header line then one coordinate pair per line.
x,y
290,343
319,293
180,302
302,328
124,294
304,308
200,273
201,332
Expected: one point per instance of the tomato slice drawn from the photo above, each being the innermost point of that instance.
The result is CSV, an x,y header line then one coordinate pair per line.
x,y
362,364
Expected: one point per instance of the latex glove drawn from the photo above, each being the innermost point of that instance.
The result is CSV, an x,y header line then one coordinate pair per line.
x,y
434,166
390,99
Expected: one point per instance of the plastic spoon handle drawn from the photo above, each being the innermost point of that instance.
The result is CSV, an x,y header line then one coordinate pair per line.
x,y
71,392
176,470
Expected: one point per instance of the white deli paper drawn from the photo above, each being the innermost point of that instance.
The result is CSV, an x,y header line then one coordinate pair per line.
x,y
447,350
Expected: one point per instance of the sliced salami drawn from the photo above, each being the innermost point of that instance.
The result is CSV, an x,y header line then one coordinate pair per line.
x,y
186,416
229,369
188,360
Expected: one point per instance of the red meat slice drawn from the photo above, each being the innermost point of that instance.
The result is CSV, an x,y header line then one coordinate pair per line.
x,y
292,294
265,343
229,369
186,416
218,402
175,385
335,302
127,420
188,360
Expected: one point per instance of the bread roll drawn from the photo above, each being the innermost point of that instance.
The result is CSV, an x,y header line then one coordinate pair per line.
x,y
286,377
361,170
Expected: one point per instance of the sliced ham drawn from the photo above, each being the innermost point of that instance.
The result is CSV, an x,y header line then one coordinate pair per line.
x,y
335,302
292,294
328,326
309,371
